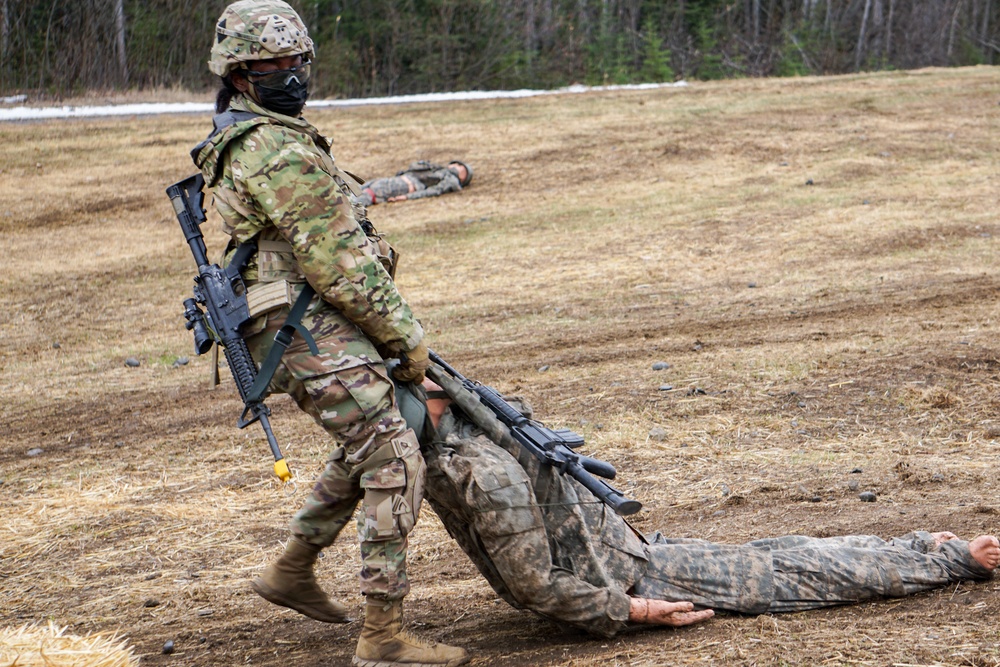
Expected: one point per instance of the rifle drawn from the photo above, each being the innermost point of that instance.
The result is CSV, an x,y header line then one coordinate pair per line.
x,y
223,294
551,447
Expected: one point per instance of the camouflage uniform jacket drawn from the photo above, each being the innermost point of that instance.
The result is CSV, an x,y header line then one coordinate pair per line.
x,y
275,180
572,562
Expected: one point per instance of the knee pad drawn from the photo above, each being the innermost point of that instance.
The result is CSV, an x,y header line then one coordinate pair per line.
x,y
393,492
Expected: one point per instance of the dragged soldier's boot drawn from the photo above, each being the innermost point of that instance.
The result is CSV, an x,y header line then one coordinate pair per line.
x,y
290,582
384,643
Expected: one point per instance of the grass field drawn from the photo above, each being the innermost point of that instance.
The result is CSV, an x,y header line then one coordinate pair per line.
x,y
815,258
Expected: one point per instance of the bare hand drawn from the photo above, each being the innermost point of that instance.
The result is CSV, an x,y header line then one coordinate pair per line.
x,y
659,612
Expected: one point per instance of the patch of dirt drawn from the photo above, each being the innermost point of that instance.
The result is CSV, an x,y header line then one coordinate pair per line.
x,y
817,348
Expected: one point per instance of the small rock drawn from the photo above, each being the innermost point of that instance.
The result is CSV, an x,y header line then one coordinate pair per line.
x,y
203,640
542,369
154,575
725,490
119,444
856,471
853,485
56,345
867,497
35,451
150,603
751,285
696,391
206,612
684,444
584,422
168,647
809,181
719,513
937,477
181,361
132,362
661,366
658,433
864,202
815,499
801,404
666,387
782,164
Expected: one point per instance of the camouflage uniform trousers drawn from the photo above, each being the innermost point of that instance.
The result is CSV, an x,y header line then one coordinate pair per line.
x,y
380,190
796,573
376,461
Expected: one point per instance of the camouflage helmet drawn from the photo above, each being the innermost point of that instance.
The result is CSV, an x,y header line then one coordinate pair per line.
x,y
468,172
257,30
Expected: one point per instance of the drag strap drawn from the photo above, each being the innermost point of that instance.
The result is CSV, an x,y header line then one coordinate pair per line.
x,y
282,340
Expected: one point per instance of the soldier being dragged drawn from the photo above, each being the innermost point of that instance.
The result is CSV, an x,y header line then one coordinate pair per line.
x,y
546,544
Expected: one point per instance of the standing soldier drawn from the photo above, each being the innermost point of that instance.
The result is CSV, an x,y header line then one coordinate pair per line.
x,y
276,185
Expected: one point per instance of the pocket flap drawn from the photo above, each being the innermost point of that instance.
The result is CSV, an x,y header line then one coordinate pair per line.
x,y
392,475
264,297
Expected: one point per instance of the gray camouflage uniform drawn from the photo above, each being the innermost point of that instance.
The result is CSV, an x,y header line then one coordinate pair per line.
x,y
546,544
421,179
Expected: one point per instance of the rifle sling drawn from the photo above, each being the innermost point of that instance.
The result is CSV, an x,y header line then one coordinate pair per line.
x,y
240,258
282,340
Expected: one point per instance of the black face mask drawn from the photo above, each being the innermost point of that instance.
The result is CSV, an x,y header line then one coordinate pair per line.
x,y
283,91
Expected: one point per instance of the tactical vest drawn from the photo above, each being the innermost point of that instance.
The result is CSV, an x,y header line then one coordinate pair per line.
x,y
278,272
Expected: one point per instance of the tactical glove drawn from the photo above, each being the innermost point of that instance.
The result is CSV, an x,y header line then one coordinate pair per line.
x,y
413,364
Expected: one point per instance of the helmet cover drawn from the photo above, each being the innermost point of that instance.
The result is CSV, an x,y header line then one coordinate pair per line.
x,y
257,30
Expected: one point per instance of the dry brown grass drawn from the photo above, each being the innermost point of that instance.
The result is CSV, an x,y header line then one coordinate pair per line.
x,y
840,325
51,646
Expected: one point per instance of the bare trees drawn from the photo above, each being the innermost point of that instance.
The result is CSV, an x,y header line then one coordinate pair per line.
x,y
119,11
65,46
375,47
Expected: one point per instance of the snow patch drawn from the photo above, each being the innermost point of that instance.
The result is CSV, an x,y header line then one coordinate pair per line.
x,y
46,113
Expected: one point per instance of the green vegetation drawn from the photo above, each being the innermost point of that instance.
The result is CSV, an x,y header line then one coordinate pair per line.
x,y
384,47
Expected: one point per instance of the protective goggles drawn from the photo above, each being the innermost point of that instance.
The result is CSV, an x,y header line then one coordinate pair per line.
x,y
279,78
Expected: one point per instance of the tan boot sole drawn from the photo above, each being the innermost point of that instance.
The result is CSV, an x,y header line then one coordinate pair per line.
x,y
274,597
362,662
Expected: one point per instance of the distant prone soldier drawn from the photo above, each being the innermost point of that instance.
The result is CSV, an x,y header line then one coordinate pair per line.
x,y
421,179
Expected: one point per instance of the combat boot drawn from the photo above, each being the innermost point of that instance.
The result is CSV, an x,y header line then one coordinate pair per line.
x,y
289,582
384,643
